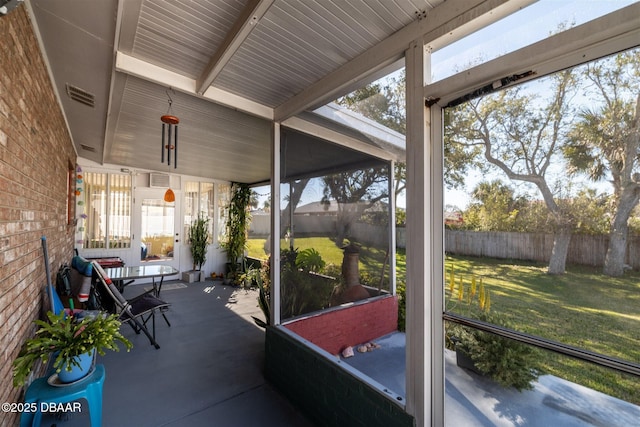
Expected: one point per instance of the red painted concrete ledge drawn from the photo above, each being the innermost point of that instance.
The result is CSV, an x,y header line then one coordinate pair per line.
x,y
349,324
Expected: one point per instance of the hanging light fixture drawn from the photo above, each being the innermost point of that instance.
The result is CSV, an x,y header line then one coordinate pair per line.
x,y
169,127
169,197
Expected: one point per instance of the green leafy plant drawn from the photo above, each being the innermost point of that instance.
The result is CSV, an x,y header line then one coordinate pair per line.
x,y
264,296
401,292
66,339
237,225
249,277
199,239
310,259
508,362
303,291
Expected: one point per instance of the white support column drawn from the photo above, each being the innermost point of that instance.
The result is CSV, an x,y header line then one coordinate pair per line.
x,y
424,359
436,240
392,228
275,225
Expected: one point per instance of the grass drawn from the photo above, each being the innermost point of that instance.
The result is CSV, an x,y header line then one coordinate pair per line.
x,y
331,254
371,259
582,308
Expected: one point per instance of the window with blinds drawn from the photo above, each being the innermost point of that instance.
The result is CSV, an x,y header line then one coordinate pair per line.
x,y
199,200
107,199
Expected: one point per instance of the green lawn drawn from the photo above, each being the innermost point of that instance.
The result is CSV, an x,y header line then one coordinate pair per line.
x,y
370,258
582,308
330,252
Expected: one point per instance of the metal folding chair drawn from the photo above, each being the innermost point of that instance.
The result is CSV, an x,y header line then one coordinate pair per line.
x,y
135,311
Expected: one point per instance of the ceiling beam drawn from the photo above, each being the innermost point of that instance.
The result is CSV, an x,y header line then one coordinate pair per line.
x,y
441,21
150,72
247,21
609,34
127,23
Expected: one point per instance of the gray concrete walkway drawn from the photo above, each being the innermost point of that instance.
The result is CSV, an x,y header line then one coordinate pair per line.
x,y
473,400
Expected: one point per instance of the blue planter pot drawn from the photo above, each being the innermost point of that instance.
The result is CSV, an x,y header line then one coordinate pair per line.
x,y
77,372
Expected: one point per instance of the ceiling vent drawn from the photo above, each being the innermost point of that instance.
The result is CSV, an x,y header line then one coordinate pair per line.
x,y
88,148
80,95
159,180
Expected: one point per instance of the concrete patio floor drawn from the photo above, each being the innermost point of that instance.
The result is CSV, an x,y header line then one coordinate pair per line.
x,y
209,371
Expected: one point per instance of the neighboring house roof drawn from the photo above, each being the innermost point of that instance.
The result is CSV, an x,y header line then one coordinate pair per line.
x,y
317,208
320,208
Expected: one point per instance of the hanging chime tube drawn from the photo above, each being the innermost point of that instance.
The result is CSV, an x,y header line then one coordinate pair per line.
x,y
175,148
162,146
169,146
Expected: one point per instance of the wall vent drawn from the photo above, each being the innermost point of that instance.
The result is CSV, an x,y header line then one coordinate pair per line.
x,y
159,180
80,95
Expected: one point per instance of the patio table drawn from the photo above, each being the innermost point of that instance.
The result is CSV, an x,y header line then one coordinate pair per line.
x,y
120,274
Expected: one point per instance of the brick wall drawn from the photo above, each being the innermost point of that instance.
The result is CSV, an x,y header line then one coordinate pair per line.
x,y
333,330
35,155
328,394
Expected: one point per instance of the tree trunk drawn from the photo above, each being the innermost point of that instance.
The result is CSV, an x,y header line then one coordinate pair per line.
x,y
617,251
297,188
614,261
558,260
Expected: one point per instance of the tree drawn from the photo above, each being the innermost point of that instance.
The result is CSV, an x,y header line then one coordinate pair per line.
x,y
296,188
605,142
494,207
520,134
385,104
354,192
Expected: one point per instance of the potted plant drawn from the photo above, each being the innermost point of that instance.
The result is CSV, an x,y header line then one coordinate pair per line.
x,y
264,296
68,341
199,240
249,277
237,228
506,361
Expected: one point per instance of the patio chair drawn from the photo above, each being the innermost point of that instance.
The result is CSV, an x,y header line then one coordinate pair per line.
x,y
135,311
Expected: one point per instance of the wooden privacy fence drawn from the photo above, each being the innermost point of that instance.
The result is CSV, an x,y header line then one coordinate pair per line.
x,y
583,250
324,225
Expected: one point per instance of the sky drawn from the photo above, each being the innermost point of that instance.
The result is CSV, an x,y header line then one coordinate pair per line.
x,y
518,30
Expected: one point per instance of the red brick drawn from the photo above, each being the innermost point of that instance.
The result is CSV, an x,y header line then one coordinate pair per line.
x,y
35,151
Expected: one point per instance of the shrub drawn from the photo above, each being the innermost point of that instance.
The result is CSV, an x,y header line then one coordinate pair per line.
x,y
401,291
508,362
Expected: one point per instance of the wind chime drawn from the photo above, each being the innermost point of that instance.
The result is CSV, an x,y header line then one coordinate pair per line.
x,y
169,128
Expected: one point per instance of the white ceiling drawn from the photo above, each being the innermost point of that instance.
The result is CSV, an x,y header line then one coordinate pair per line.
x,y
231,67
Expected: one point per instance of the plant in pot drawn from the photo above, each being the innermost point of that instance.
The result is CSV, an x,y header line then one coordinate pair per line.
x,y
70,342
264,296
506,361
248,278
199,240
236,230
